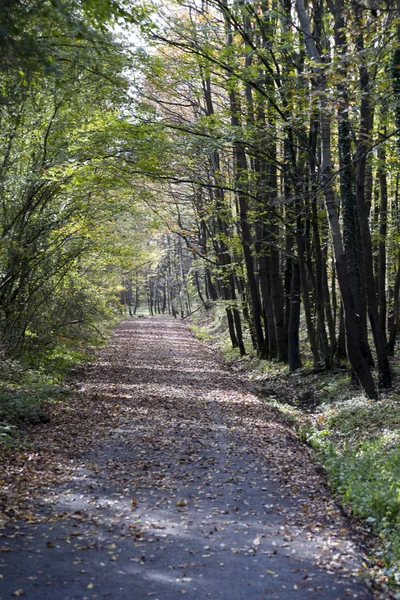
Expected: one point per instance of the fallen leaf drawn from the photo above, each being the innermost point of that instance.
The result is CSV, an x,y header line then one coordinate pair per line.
x,y
182,502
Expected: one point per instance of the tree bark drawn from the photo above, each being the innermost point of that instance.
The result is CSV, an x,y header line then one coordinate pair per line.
x,y
294,320
355,356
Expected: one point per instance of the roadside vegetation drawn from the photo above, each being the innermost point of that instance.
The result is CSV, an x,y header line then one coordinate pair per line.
x,y
31,384
356,440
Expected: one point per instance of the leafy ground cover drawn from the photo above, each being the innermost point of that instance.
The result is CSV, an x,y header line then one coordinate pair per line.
x,y
339,423
34,382
26,396
356,440
39,407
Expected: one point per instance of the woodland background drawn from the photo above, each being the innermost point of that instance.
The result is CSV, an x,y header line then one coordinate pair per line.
x,y
233,159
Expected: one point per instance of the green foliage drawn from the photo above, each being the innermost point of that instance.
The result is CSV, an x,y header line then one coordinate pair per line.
x,y
32,33
201,333
68,207
368,480
25,394
25,402
358,444
59,361
332,389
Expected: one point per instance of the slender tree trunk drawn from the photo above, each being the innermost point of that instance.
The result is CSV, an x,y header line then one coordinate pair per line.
x,y
381,176
294,320
223,254
394,316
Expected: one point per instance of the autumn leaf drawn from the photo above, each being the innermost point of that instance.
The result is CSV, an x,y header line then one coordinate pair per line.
x,y
182,502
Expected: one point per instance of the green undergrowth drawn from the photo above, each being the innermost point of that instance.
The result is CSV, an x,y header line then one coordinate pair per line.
x,y
358,443
211,327
33,382
25,394
356,440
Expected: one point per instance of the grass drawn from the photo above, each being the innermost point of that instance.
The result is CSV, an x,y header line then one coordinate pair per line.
x,y
358,443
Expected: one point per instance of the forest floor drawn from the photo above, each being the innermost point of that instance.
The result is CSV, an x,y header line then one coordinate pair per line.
x,y
165,476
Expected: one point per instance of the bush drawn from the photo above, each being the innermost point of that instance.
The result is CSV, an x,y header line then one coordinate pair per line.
x,y
25,395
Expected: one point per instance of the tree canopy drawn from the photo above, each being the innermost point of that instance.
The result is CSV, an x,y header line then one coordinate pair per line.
x,y
190,153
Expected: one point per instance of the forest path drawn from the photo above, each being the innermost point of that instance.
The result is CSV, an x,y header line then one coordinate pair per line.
x,y
200,491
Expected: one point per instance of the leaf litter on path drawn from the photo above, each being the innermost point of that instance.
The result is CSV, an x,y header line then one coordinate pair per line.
x,y
165,474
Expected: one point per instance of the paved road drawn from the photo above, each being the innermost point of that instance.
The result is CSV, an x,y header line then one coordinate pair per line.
x,y
200,492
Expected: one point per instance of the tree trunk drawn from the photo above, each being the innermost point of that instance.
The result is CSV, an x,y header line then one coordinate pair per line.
x,y
294,320
381,176
363,144
356,358
247,241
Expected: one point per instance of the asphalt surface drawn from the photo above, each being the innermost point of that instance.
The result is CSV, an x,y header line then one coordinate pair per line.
x,y
200,492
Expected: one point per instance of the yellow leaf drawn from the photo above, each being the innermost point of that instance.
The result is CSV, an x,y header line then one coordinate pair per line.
x,y
182,503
